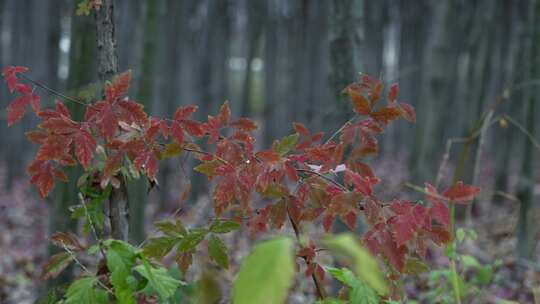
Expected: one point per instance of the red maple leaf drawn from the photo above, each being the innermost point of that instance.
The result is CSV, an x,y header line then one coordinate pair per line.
x,y
460,193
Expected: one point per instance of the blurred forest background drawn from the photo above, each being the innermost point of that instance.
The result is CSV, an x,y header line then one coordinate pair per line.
x,y
456,61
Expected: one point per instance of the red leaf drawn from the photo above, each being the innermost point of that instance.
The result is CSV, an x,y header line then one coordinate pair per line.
x,y
56,147
224,114
62,109
147,161
85,145
379,240
393,92
291,171
42,176
350,220
408,111
460,193
194,128
38,137
244,124
360,103
440,235
386,115
10,75
278,214
441,213
16,109
132,111
373,211
268,156
35,102
177,132
184,112
376,92
300,129
327,222
108,122
118,87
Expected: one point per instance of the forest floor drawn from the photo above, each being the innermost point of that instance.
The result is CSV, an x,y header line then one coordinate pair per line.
x,y
23,250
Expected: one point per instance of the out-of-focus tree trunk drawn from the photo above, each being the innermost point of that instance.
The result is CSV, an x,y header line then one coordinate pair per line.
x,y
81,73
254,27
20,52
171,52
137,189
211,81
434,88
375,21
343,51
270,71
513,75
526,184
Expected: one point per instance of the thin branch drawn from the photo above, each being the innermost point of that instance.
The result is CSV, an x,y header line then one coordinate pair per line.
x,y
346,124
175,213
522,129
54,92
205,153
74,257
89,219
318,285
324,177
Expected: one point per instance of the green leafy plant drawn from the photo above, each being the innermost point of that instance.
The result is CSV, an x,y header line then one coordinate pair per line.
x,y
468,279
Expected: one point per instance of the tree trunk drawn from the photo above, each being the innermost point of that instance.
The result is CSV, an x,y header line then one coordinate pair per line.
x,y
107,68
343,70
526,184
137,189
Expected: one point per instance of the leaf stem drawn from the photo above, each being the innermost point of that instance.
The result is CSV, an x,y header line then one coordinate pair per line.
x,y
324,177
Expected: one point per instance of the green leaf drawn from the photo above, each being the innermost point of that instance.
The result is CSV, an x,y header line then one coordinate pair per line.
x,y
343,275
458,285
93,249
208,168
484,274
266,274
287,143
171,228
415,266
83,8
172,150
207,289
159,280
190,241
159,247
120,260
56,264
218,251
469,261
460,235
82,291
360,292
330,301
224,226
275,191
365,265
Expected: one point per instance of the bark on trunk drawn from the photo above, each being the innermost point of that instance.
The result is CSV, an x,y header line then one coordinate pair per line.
x,y
107,68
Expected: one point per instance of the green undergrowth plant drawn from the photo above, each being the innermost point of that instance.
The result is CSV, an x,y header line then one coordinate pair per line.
x,y
302,178
472,275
